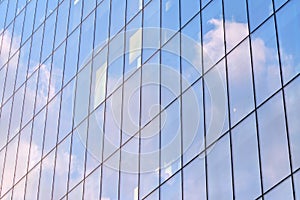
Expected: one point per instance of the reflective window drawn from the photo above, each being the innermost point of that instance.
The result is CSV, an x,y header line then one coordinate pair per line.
x,y
3,6
246,160
282,191
240,82
102,24
22,65
273,142
51,5
110,178
265,61
292,98
48,38
92,185
194,186
188,10
88,6
259,11
154,195
172,188
297,184
236,22
76,192
35,50
117,16
219,170
170,153
279,3
62,22
40,12
28,22
133,7
4,122
212,33
170,18
86,40
46,179
75,14
18,190
61,168
289,39
71,56
11,11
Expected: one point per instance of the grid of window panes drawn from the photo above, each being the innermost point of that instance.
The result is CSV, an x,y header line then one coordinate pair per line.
x,y
52,53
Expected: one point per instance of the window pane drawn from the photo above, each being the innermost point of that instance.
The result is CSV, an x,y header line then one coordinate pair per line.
x,y
194,186
170,17
297,184
172,188
219,170
289,39
240,82
48,38
236,22
133,7
259,11
273,142
62,22
265,61
75,14
292,97
102,24
32,183
245,160
212,33
117,16
92,185
282,191
188,10
76,193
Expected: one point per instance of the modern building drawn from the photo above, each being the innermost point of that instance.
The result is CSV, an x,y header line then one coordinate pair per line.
x,y
150,99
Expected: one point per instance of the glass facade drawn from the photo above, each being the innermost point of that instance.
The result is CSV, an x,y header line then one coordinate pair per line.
x,y
149,99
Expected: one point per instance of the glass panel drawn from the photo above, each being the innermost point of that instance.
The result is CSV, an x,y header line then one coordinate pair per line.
x,y
35,51
32,183
219,170
95,139
212,33
51,5
289,39
22,65
18,27
28,22
265,61
259,11
18,190
292,97
236,22
4,122
40,13
3,6
117,16
29,99
153,196
170,18
191,58
131,106
246,160
50,137
133,7
92,185
86,40
61,168
62,22
282,191
112,123
9,167
82,94
273,142
192,122
71,56
194,186
216,102
188,10
45,185
170,152
149,157
23,152
110,178
88,6
48,36
57,71
170,71
279,3
37,138
75,14
101,24
76,192
172,188
151,29
77,154
99,71
129,168
240,82
66,110
16,115
150,90
11,11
